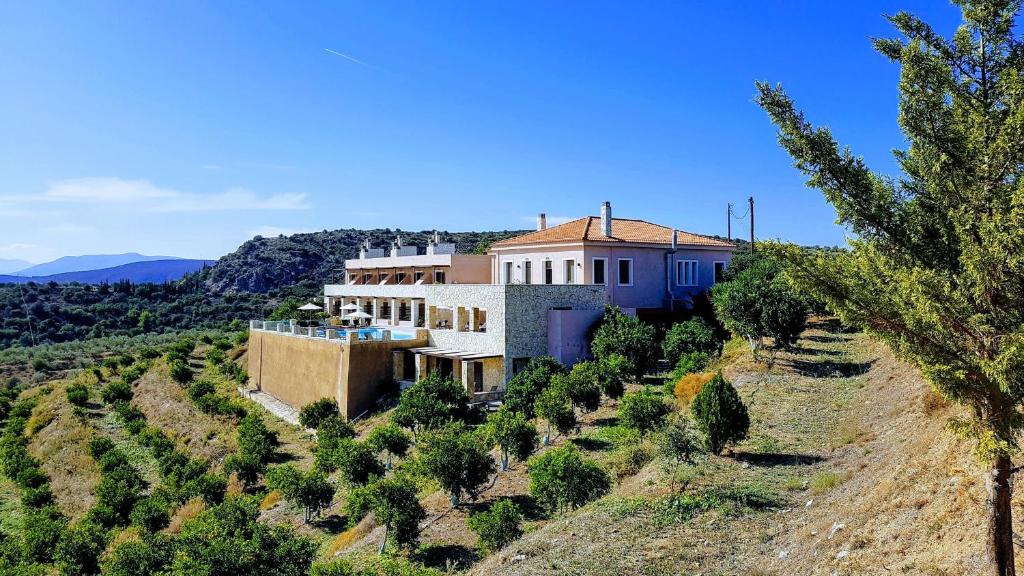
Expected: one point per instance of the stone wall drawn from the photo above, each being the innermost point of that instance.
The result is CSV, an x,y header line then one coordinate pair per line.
x,y
527,306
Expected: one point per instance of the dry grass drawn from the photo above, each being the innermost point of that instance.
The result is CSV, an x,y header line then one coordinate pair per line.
x,y
689,385
186,512
270,500
349,537
933,403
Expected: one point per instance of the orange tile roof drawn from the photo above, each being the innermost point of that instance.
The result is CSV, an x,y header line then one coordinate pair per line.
x,y
625,230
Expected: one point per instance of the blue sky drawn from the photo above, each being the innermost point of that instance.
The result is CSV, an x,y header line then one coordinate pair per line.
x,y
184,128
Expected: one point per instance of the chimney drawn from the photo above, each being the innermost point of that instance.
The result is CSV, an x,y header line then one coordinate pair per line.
x,y
363,249
437,237
606,218
675,244
542,221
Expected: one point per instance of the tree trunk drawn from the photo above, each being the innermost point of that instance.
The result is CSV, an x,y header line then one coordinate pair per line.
x,y
504,460
380,551
1000,518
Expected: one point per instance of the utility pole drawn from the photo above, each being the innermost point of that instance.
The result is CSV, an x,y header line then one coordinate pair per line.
x,y
728,221
751,200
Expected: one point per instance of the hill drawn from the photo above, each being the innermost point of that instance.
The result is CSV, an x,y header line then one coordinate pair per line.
x,y
149,271
847,470
86,262
309,260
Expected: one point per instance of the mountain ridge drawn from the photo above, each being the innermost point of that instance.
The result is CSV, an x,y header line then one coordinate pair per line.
x,y
87,262
147,271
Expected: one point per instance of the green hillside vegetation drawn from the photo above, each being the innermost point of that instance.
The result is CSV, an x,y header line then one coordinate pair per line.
x,y
307,261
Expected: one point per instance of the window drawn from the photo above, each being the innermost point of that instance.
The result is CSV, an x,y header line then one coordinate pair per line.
x,y
686,272
600,271
438,276
527,272
719,271
400,278
625,271
507,266
519,364
568,271
478,376
384,278
417,276
366,278
549,274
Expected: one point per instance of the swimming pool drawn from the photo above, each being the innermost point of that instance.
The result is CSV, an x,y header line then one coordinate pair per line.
x,y
367,333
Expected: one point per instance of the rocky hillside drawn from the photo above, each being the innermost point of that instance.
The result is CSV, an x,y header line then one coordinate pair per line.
x,y
307,260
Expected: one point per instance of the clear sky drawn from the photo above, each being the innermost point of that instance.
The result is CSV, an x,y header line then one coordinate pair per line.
x,y
184,128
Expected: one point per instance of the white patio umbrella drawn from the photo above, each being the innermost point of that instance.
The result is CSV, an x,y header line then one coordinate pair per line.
x,y
309,308
350,306
358,315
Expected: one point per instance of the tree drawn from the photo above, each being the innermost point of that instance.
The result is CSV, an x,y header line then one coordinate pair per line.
x,y
229,539
627,336
555,407
431,403
396,507
581,385
522,390
357,461
310,489
150,513
497,526
643,411
255,440
760,303
311,415
935,271
679,443
391,440
119,489
149,555
720,414
457,459
333,429
614,370
79,549
692,336
562,479
513,433
43,528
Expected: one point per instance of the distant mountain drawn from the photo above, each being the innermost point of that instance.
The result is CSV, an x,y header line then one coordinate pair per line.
x,y
87,262
150,271
309,260
8,266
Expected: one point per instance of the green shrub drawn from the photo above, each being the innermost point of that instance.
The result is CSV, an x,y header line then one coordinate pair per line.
x,y
180,372
150,514
692,336
149,555
498,526
99,445
308,489
397,507
513,433
313,413
720,414
215,356
555,407
132,373
41,533
563,479
359,502
116,391
78,552
149,353
78,394
643,411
